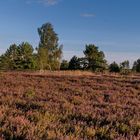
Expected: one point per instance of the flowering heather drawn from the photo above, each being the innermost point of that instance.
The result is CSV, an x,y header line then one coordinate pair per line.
x,y
56,106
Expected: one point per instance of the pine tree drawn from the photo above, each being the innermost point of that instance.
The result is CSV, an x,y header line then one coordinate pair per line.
x,y
96,59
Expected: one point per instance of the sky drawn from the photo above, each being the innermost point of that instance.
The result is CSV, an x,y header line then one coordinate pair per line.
x,y
112,25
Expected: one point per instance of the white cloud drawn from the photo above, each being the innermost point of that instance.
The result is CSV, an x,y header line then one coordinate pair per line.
x,y
48,2
44,2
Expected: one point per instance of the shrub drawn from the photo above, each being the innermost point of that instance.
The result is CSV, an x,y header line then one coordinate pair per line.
x,y
114,67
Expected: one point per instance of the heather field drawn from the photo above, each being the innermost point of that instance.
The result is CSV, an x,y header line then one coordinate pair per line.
x,y
69,106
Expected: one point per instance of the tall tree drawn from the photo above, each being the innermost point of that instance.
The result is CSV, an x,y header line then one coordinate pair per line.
x,y
136,66
74,63
18,57
10,56
25,59
4,62
96,58
49,52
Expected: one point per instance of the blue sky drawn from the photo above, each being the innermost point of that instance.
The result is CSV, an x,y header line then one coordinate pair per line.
x,y
113,25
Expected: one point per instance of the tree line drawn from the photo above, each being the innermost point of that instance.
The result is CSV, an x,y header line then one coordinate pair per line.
x,y
48,55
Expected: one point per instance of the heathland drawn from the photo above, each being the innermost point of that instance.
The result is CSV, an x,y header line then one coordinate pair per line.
x,y
69,105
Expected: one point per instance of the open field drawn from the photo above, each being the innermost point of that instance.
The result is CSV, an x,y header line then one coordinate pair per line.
x,y
74,106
